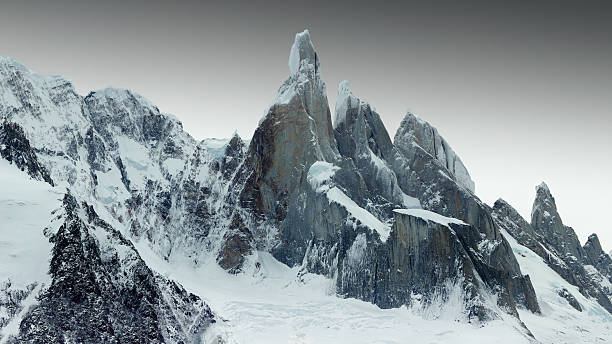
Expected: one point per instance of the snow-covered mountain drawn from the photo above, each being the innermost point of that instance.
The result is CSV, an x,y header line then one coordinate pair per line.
x,y
310,231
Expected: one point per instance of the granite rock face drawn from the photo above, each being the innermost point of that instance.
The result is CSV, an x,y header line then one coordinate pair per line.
x,y
586,267
423,263
326,196
546,221
416,132
362,138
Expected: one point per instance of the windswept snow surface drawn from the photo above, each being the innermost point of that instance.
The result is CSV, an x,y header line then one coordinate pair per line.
x,y
25,211
277,304
430,216
559,322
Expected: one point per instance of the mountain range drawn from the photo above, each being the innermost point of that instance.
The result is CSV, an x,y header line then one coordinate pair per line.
x,y
117,226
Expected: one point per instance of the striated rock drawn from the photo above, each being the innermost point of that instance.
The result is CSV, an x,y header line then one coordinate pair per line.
x,y
428,261
546,221
558,246
295,132
414,131
362,137
421,174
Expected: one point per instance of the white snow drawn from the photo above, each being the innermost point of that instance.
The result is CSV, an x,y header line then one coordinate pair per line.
x,y
411,202
320,173
559,322
138,164
358,213
345,97
430,216
216,147
25,211
294,55
272,305
174,165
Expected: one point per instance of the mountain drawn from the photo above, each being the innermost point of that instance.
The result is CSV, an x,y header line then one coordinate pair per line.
x,y
145,234
587,268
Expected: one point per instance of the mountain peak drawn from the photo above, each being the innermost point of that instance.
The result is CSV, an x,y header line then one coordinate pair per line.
x,y
302,50
413,131
543,187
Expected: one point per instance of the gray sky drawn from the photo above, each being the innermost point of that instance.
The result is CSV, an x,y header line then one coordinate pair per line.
x,y
521,90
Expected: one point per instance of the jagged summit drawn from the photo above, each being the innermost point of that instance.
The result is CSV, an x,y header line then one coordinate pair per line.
x,y
302,52
542,186
413,131
121,94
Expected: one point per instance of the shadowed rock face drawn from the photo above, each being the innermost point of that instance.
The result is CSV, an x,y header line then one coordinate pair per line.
x,y
558,246
546,221
362,137
15,148
597,257
428,263
102,292
296,132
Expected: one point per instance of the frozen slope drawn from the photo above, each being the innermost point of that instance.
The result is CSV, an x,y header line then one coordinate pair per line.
x,y
278,304
559,322
26,207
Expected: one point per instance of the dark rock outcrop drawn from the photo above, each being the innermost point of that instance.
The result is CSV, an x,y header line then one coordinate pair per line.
x,y
102,292
546,221
597,257
564,293
15,147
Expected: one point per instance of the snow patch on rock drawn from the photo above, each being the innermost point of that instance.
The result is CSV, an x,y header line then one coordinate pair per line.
x,y
430,216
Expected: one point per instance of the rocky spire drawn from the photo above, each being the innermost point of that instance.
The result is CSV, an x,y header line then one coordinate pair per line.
x,y
295,132
546,221
362,136
597,257
415,131
302,51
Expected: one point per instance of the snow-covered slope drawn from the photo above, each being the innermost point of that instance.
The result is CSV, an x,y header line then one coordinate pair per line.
x,y
278,304
26,207
559,321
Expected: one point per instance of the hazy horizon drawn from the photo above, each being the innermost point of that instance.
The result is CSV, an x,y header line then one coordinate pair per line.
x,y
521,91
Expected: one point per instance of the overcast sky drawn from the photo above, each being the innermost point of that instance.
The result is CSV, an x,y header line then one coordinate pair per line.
x,y
521,90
